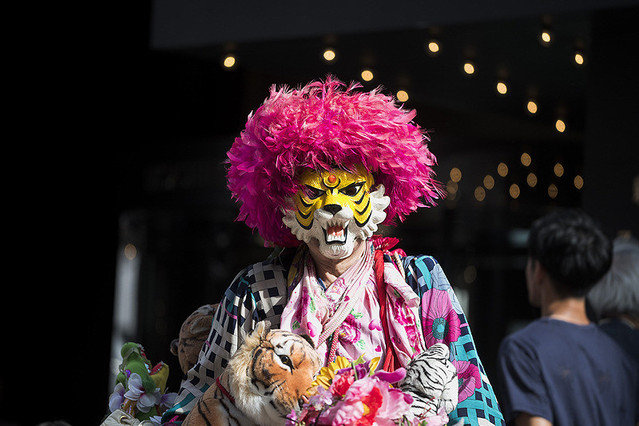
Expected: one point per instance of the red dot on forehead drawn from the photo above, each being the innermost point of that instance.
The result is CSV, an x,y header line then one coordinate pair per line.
x,y
331,178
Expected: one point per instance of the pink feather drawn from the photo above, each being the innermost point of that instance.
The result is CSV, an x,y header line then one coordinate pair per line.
x,y
318,126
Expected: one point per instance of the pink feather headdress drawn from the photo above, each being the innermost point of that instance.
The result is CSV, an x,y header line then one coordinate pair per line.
x,y
320,126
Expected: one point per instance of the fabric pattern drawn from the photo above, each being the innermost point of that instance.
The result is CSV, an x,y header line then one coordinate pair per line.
x,y
259,292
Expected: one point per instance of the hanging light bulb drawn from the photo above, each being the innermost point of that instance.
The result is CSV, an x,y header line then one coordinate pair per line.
x,y
329,55
433,46
502,169
489,182
402,96
229,61
502,87
367,75
560,125
469,67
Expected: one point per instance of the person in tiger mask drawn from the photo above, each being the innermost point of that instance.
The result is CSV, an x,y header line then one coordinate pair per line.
x,y
316,170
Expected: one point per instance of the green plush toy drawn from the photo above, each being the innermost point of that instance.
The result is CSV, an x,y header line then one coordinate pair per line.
x,y
140,387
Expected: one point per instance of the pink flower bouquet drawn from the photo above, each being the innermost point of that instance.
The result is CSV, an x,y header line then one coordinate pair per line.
x,y
351,393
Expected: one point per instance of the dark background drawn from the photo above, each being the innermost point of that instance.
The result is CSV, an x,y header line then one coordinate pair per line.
x,y
140,114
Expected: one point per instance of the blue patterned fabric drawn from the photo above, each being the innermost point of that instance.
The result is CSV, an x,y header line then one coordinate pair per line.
x,y
259,293
423,273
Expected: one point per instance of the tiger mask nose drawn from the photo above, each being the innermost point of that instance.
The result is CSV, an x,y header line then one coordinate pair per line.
x,y
332,208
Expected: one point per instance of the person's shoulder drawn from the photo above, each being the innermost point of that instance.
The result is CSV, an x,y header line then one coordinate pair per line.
x,y
269,272
530,335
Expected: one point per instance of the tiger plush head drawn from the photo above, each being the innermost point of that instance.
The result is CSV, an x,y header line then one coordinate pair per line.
x,y
270,372
431,379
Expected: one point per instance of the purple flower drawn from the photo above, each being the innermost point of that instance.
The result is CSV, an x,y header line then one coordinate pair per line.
x,y
393,377
321,398
117,397
137,393
167,400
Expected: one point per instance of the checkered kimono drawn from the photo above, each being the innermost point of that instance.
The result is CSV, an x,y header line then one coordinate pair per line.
x,y
259,293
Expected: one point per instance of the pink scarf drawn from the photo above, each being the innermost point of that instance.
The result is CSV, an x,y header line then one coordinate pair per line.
x,y
318,313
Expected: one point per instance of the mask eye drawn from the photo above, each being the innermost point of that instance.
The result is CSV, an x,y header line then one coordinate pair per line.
x,y
312,192
352,189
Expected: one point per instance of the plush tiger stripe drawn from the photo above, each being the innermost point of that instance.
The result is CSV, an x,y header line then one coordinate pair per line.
x,y
431,379
264,380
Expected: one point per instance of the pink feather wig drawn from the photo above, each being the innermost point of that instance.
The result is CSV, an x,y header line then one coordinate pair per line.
x,y
320,126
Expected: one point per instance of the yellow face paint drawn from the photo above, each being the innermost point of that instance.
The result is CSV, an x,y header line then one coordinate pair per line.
x,y
333,190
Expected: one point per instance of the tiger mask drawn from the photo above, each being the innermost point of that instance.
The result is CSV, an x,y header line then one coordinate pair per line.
x,y
265,379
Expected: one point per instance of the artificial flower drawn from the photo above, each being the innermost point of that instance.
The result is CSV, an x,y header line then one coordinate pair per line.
x,y
326,374
136,392
342,382
321,398
167,400
356,397
117,397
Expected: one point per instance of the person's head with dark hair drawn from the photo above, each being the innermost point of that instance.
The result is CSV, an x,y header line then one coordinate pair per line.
x,y
617,293
568,251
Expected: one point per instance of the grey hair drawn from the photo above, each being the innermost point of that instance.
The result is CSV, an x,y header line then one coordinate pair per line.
x,y
617,293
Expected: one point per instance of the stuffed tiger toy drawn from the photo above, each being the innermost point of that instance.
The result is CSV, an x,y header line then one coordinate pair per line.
x,y
431,379
193,333
264,380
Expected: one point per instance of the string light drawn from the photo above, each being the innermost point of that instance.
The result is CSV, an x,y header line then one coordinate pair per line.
x,y
469,68
531,180
526,159
480,193
514,191
455,174
560,126
433,46
578,181
402,96
532,107
229,61
502,169
470,274
367,75
130,251
489,182
559,170
553,191
329,55
579,58
545,36
451,187
502,88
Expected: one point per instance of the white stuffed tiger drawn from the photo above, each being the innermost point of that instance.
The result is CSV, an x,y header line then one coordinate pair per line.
x,y
431,379
264,380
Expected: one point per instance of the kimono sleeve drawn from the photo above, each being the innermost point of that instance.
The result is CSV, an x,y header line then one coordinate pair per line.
x,y
444,321
257,293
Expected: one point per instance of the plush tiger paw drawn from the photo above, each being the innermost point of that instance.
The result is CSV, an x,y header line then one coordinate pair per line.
x,y
431,379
